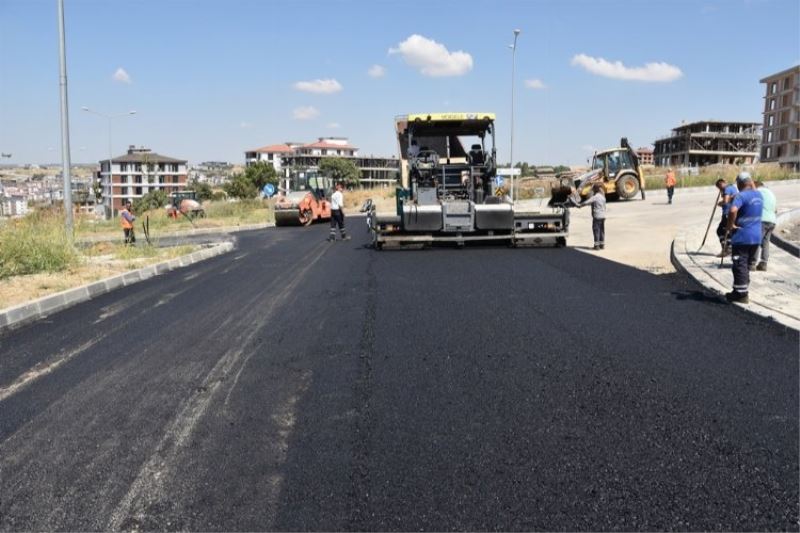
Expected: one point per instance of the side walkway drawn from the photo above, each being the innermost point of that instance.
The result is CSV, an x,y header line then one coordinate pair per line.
x,y
774,294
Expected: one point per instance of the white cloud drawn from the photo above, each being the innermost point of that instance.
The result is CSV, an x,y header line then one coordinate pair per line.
x,y
535,84
121,76
376,71
334,125
328,86
432,58
305,113
650,72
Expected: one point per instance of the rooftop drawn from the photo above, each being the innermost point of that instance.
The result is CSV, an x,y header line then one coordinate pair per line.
x,y
780,74
144,155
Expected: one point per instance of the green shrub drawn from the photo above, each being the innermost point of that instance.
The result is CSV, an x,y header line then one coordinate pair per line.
x,y
36,243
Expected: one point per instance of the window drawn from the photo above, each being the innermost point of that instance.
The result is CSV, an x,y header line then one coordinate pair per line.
x,y
123,167
787,82
174,179
786,99
138,179
768,153
771,104
770,121
769,136
773,87
138,191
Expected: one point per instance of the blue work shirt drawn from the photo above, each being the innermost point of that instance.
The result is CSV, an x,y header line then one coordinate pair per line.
x,y
749,204
730,190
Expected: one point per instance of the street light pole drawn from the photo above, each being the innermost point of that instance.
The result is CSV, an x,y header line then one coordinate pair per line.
x,y
66,164
110,152
513,69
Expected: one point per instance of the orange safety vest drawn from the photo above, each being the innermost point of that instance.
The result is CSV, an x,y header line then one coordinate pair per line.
x,y
125,223
670,179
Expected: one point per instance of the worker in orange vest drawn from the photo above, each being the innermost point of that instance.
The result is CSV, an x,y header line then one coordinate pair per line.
x,y
669,181
126,218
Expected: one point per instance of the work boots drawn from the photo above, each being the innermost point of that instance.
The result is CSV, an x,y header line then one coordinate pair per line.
x,y
737,297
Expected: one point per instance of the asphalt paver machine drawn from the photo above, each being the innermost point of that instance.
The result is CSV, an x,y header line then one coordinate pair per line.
x,y
448,170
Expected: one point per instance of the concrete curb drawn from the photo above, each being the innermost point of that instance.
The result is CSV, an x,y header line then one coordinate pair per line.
x,y
684,263
47,305
191,232
786,218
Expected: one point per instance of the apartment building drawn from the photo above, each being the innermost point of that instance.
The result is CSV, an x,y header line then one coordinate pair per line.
x,y
13,206
780,141
272,154
298,157
137,173
645,156
708,142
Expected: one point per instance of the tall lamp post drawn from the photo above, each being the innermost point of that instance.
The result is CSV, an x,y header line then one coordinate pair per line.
x,y
110,151
513,68
66,164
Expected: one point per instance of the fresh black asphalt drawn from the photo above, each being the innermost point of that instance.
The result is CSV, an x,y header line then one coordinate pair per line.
x,y
295,384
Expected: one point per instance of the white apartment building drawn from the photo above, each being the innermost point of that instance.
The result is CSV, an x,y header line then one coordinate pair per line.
x,y
324,146
13,206
137,173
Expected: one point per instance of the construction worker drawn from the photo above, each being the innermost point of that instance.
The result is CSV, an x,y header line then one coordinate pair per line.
x,y
728,192
745,217
769,217
598,203
126,218
337,214
669,181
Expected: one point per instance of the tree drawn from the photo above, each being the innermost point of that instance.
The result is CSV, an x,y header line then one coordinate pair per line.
x,y
239,186
202,189
260,173
340,169
152,200
561,168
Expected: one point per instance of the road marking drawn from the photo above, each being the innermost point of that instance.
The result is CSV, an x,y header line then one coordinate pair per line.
x,y
42,370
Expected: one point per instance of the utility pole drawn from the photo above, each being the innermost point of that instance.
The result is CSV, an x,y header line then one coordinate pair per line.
x,y
66,164
513,68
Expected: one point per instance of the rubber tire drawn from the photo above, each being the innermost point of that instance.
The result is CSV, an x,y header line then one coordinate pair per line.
x,y
561,242
627,187
309,217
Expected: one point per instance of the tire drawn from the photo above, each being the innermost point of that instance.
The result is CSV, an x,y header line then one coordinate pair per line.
x,y
308,217
627,187
561,242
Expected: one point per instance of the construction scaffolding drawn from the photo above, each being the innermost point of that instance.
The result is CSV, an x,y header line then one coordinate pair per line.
x,y
708,143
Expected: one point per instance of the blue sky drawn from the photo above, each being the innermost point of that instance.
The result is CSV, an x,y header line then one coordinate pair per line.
x,y
210,79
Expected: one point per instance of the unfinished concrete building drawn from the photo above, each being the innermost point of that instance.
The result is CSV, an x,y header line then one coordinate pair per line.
x,y
781,141
708,142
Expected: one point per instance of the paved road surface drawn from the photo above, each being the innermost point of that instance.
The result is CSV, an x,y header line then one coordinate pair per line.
x,y
295,384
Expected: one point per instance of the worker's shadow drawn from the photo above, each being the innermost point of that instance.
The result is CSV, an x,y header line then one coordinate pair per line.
x,y
698,296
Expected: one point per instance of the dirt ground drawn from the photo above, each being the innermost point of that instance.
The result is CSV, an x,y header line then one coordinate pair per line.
x,y
791,233
20,289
